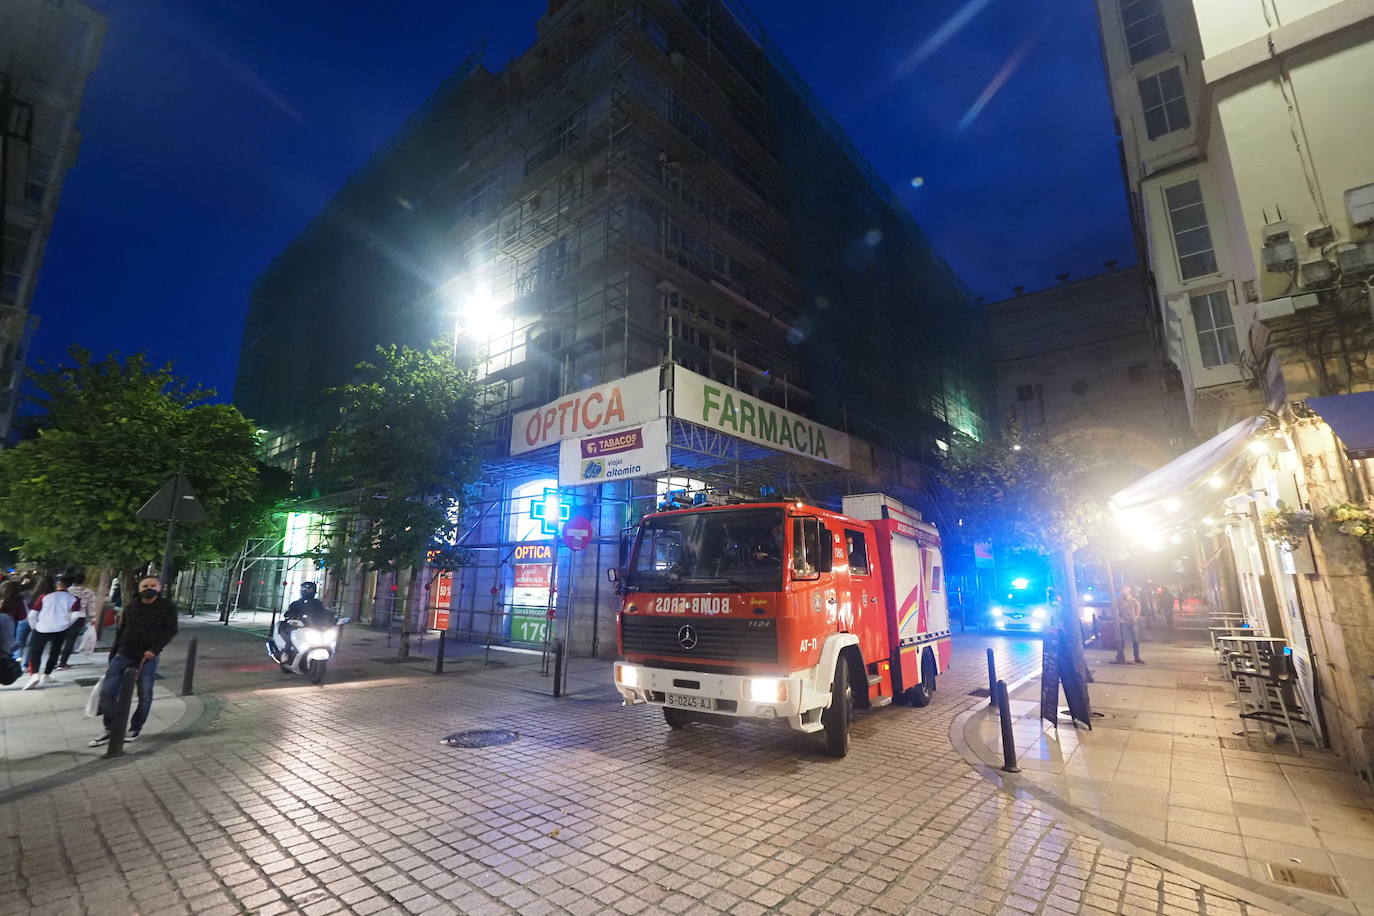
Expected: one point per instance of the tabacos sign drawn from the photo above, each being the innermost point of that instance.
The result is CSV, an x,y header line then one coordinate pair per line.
x,y
635,451
697,399
633,399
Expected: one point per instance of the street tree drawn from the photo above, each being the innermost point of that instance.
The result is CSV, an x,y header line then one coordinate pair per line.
x,y
407,452
1030,494
110,433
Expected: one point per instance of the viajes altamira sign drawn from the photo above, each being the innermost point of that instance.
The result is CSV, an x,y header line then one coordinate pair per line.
x,y
700,400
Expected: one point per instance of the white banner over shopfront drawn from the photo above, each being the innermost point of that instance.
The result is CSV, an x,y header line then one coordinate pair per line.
x,y
624,402
634,451
699,400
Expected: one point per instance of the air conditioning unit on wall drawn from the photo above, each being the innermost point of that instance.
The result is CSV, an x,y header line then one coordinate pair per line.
x,y
1355,257
1280,253
1359,205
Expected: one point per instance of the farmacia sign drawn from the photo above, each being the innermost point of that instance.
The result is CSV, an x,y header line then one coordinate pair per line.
x,y
697,399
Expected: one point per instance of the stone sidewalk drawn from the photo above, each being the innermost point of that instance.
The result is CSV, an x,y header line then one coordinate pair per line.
x,y
44,731
341,799
1164,767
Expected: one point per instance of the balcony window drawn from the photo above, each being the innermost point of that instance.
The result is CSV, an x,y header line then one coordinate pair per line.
x,y
1216,329
1166,108
1147,34
1192,238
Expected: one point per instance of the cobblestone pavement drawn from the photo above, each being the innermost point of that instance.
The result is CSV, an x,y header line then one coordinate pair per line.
x,y
341,799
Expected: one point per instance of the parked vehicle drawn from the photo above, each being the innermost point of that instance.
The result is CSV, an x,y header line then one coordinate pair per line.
x,y
303,649
783,610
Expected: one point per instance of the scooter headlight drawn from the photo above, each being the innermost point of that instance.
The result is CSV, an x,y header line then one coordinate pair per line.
x,y
314,637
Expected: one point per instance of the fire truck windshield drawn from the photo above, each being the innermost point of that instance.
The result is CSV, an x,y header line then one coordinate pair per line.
x,y
725,550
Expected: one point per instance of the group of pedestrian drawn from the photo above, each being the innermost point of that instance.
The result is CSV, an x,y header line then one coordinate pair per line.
x,y
59,615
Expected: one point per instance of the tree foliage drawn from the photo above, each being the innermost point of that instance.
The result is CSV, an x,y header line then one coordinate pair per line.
x,y
408,450
1032,497
112,432
408,447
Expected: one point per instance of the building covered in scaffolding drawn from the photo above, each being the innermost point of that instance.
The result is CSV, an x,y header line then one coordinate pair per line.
x,y
671,268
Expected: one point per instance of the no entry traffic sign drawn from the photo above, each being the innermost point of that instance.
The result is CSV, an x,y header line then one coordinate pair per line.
x,y
577,532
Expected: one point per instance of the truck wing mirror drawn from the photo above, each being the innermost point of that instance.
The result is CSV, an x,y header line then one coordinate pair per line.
x,y
613,574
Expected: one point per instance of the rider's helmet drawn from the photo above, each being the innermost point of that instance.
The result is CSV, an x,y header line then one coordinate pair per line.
x,y
308,589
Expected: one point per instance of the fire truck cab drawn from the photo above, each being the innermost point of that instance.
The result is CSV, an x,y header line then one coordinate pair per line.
x,y
783,610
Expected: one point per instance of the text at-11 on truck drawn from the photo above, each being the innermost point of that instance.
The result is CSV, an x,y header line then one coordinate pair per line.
x,y
782,610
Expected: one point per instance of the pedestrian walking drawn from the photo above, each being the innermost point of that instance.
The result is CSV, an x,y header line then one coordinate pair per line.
x,y
49,620
1128,625
1165,599
12,606
147,625
91,616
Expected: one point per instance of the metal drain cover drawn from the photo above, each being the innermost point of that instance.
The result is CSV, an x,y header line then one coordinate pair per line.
x,y
480,737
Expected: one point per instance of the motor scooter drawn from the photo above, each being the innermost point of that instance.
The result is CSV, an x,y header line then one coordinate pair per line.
x,y
300,648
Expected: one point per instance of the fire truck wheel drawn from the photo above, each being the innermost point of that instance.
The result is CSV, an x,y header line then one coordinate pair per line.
x,y
836,718
674,718
921,694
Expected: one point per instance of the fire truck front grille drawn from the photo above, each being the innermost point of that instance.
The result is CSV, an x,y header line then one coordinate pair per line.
x,y
724,639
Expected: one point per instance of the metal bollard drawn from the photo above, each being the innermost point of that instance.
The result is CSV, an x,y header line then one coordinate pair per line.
x,y
557,668
123,702
1008,744
189,675
439,658
992,680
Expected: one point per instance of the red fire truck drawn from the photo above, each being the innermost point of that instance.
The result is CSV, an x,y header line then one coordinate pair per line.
x,y
782,610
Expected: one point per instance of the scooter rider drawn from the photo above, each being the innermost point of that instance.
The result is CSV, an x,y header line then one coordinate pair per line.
x,y
308,609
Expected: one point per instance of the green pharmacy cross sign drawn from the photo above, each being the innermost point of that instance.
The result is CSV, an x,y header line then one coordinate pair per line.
x,y
550,511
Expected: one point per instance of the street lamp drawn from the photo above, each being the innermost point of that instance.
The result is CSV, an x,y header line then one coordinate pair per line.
x,y
478,316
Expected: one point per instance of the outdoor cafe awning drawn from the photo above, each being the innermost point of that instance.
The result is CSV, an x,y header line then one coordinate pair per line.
x,y
1188,470
1352,417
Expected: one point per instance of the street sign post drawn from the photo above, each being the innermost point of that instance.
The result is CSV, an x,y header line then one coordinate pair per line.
x,y
174,502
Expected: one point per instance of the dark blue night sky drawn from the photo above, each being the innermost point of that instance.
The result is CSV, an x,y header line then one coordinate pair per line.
x,y
213,131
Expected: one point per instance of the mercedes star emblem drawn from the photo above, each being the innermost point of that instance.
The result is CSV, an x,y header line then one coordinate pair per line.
x,y
687,638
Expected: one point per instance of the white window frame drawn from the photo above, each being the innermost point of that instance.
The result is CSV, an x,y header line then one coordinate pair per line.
x,y
1174,234
1164,21
1164,103
1216,331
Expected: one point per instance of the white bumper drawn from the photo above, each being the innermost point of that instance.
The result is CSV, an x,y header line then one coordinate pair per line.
x,y
719,694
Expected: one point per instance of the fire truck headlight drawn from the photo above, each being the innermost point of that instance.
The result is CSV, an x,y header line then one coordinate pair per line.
x,y
626,676
1039,613
767,690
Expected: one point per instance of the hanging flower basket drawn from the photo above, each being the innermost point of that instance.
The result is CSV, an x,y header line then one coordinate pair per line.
x,y
1354,519
1287,526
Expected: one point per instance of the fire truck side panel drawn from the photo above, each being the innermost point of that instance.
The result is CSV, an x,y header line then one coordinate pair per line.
x,y
920,614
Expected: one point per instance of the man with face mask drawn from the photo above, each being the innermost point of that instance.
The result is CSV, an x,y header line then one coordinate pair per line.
x,y
148,624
